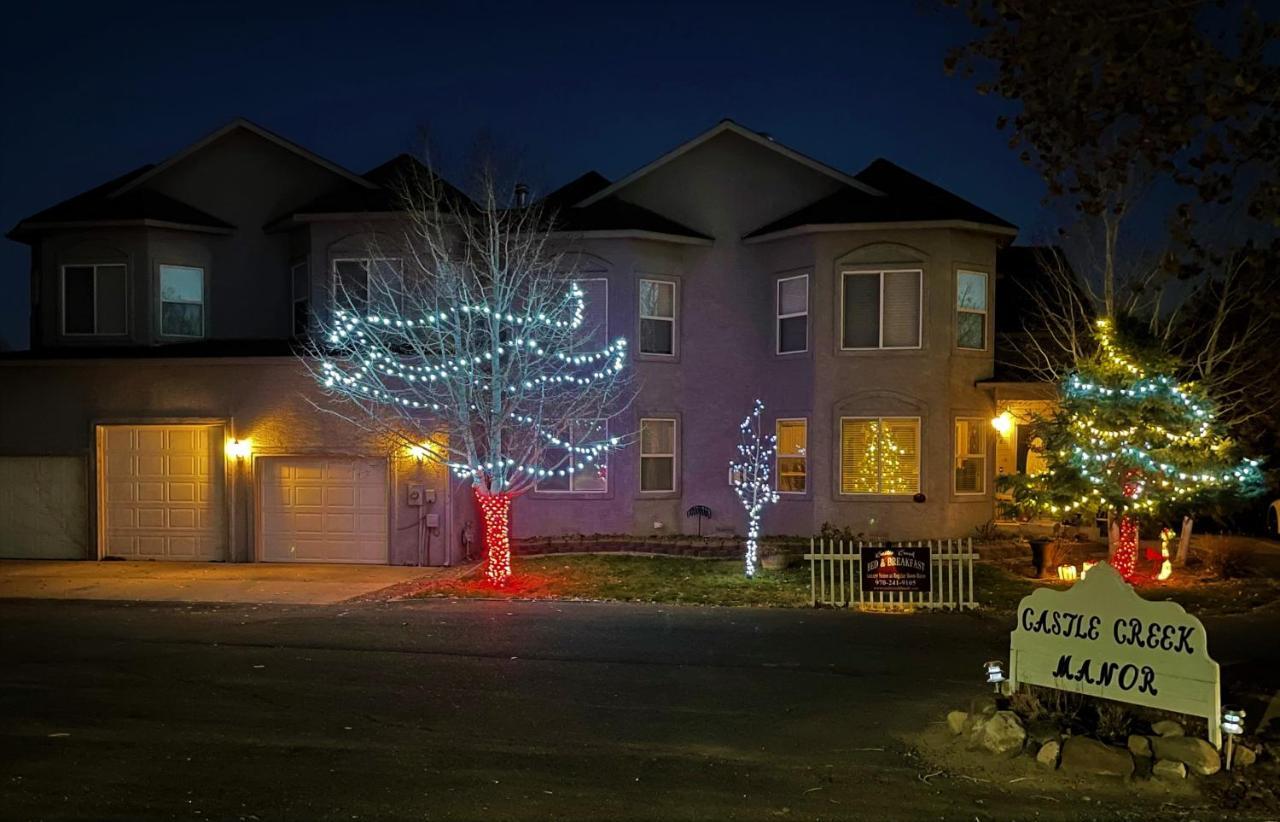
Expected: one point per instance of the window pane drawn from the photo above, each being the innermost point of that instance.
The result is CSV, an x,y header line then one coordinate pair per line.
x,y
859,473
351,284
111,299
657,436
657,299
657,337
791,475
971,290
657,474
594,476
301,317
179,283
301,288
861,311
969,475
791,436
971,330
594,333
793,296
971,451
554,459
77,305
181,319
793,334
899,456
791,455
901,309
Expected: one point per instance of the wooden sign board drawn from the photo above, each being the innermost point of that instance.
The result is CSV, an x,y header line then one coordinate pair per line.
x,y
895,569
1100,638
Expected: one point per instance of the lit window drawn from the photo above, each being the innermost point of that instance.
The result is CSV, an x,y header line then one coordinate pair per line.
x,y
793,314
657,454
181,301
792,449
971,456
368,284
658,317
879,455
593,477
881,309
971,310
301,285
94,299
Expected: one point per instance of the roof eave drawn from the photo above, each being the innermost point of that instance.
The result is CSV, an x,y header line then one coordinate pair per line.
x,y
634,234
30,228
827,228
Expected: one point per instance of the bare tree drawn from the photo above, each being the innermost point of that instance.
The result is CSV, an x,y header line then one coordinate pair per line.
x,y
474,348
750,474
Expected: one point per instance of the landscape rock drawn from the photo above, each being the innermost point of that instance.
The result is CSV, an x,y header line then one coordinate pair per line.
x,y
1243,757
956,721
1048,754
1168,769
1197,754
1139,746
1167,727
1001,735
1041,731
1080,754
981,707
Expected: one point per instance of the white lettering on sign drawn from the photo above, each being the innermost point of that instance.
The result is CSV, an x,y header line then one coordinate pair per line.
x,y
1101,639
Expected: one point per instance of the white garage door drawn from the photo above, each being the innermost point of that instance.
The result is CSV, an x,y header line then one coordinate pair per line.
x,y
323,509
44,509
163,492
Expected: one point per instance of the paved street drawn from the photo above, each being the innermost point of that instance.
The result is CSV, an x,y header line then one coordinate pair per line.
x,y
482,710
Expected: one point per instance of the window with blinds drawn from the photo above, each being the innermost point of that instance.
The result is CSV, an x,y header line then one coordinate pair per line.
x,y
971,455
881,309
792,452
879,455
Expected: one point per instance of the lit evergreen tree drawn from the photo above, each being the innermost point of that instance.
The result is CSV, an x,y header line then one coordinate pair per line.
x,y
1130,439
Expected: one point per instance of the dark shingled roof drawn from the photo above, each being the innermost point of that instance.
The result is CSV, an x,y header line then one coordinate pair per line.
x,y
354,199
907,198
97,205
576,190
609,214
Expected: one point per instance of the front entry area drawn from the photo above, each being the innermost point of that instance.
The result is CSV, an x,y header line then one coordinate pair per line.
x,y
161,492
323,509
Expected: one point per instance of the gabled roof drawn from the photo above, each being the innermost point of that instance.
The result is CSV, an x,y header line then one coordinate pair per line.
x,y
729,127
576,190
103,205
902,197
253,128
611,215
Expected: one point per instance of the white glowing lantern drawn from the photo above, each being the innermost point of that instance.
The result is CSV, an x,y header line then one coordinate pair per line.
x,y
995,673
1068,572
1003,423
239,449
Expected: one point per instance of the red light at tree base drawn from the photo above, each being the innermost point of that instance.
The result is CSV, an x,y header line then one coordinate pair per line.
x,y
496,509
1125,559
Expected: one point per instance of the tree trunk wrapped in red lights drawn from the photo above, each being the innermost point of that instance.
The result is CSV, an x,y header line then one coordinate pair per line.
x,y
496,509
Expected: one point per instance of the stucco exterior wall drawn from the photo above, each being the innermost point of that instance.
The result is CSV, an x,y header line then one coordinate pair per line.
x,y
51,408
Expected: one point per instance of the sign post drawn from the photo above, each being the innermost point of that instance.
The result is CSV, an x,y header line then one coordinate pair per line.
x,y
1101,639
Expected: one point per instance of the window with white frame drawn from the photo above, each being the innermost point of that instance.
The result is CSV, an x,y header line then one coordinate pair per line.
x,y
792,455
881,309
658,317
971,310
181,301
657,454
595,317
301,286
879,455
95,299
589,476
367,283
971,455
793,314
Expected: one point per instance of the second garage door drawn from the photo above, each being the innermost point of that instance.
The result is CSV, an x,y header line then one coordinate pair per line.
x,y
323,509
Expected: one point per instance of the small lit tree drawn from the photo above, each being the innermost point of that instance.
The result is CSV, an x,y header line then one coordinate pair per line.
x,y
476,346
1130,439
751,479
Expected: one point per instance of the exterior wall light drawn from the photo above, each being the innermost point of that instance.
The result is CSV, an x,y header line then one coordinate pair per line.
x,y
239,449
995,673
1003,423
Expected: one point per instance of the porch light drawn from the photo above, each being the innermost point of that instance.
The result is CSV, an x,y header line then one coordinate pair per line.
x,y
995,673
239,449
1003,423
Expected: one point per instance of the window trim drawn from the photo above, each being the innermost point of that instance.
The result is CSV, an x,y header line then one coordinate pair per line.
x,y
981,426
304,264
779,316
674,319
674,455
986,312
62,300
608,483
778,456
367,260
881,494
919,272
204,301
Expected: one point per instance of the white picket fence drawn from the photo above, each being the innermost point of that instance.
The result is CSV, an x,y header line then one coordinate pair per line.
x,y
835,576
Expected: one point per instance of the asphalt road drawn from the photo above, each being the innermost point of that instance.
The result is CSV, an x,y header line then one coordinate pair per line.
x,y
483,710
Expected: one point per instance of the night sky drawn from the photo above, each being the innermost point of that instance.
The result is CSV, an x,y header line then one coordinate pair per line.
x,y
91,92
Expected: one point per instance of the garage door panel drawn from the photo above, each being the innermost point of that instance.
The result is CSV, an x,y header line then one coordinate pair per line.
x,y
164,487
317,509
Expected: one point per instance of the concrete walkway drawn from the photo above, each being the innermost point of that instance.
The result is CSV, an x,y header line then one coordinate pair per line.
x,y
201,582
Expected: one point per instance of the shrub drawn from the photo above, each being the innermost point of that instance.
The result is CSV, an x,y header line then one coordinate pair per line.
x,y
1228,557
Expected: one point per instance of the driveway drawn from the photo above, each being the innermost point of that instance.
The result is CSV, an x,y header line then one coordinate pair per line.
x,y
261,583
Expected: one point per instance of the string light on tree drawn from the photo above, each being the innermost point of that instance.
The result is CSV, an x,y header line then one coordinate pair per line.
x,y
1130,438
750,474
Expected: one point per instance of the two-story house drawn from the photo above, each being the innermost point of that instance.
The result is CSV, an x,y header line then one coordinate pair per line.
x,y
161,414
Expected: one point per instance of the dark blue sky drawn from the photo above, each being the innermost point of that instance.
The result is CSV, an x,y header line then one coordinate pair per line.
x,y
92,91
